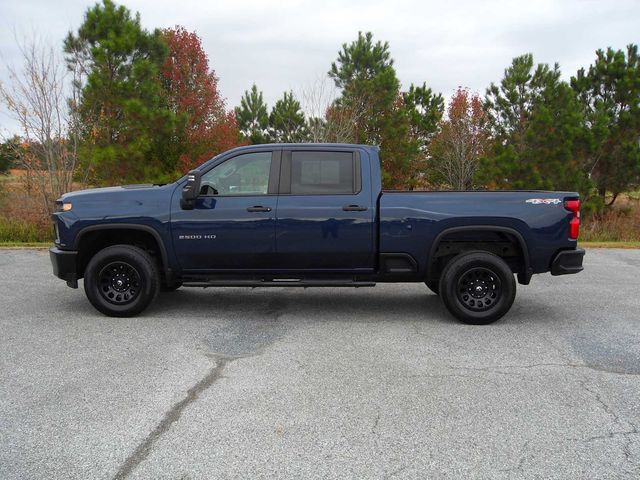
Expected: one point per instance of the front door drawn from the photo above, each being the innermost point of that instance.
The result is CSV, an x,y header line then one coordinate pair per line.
x,y
232,225
325,218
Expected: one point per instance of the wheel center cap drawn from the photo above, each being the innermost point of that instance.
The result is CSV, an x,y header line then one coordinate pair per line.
x,y
478,289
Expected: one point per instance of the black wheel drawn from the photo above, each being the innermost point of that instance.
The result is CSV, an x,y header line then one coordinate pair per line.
x,y
477,287
433,285
121,280
170,287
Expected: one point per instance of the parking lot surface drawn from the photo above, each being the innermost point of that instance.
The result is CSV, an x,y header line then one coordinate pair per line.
x,y
321,383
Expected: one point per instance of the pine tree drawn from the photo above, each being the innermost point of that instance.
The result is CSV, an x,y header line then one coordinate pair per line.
x,y
252,116
126,122
425,110
509,105
287,123
364,73
610,94
369,85
539,140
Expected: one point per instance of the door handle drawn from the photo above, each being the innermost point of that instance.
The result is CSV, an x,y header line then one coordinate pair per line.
x,y
354,208
258,208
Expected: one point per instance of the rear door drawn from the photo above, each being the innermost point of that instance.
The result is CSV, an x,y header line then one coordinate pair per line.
x,y
325,219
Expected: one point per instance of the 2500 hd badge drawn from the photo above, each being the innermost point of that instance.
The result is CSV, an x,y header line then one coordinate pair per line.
x,y
197,237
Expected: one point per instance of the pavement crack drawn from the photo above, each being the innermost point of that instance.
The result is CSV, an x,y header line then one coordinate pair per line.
x,y
626,448
397,471
623,432
605,407
622,428
459,375
523,457
561,353
145,447
496,368
374,428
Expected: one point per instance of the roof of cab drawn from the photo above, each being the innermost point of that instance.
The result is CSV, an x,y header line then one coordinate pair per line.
x,y
280,146
315,146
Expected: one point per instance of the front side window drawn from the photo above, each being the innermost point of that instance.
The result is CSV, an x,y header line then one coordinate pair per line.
x,y
316,173
246,174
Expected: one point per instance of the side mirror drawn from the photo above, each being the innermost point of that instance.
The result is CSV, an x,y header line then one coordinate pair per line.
x,y
191,190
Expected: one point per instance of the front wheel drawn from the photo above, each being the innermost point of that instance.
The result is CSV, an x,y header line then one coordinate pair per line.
x,y
478,287
121,280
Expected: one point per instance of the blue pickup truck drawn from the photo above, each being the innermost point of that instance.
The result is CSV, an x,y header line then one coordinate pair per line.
x,y
310,215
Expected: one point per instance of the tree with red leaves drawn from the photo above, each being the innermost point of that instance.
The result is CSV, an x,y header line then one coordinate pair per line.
x,y
460,142
192,93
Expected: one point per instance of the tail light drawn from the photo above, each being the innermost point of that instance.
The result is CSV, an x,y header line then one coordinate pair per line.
x,y
574,224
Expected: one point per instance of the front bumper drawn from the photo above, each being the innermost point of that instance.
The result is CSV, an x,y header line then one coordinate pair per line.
x,y
567,262
64,263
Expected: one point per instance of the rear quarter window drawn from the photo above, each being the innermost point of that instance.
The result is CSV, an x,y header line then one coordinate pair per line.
x,y
318,173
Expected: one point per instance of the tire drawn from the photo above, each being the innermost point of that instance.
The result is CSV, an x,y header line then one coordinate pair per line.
x,y
121,280
171,287
477,287
434,286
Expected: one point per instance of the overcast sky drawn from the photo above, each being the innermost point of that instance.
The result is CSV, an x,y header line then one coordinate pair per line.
x,y
290,44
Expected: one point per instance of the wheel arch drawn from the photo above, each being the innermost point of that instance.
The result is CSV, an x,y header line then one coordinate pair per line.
x,y
125,228
523,277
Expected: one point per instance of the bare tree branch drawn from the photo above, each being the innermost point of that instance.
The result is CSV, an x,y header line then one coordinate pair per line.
x,y
460,142
328,122
43,97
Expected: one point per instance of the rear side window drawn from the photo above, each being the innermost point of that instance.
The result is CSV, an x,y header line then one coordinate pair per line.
x,y
318,173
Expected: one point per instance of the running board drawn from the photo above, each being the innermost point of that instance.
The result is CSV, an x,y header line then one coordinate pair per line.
x,y
278,282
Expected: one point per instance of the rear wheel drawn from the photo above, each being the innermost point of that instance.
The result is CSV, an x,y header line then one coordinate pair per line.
x,y
121,280
477,287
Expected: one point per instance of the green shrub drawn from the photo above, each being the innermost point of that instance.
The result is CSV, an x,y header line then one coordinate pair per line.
x,y
621,224
10,154
20,231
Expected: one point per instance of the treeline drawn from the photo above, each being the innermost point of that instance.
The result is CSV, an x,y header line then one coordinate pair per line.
x,y
532,130
142,105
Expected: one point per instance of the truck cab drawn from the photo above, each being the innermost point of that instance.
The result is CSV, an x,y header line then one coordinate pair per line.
x,y
292,209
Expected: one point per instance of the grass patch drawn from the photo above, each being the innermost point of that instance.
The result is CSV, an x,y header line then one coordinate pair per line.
x,y
18,245
18,231
631,244
620,223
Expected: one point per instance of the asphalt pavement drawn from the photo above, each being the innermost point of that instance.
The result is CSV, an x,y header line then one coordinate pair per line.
x,y
321,383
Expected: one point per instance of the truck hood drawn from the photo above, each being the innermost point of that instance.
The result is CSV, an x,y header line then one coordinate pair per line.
x,y
129,201
108,192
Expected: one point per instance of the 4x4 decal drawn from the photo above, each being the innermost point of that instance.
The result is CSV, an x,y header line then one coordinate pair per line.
x,y
544,201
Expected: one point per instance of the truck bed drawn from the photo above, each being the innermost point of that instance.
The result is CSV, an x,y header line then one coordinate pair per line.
x,y
410,221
